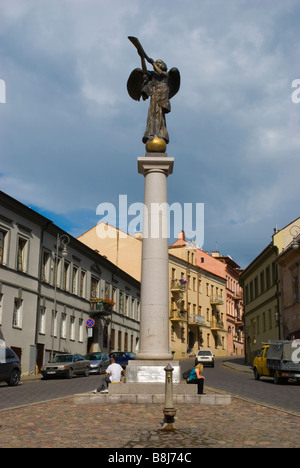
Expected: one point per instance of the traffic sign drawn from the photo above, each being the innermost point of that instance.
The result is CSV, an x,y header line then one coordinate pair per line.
x,y
90,323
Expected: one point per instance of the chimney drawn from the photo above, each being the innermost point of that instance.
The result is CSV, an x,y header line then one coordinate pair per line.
x,y
215,253
181,236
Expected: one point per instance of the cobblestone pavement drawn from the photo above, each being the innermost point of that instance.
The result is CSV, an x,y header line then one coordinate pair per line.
x,y
65,424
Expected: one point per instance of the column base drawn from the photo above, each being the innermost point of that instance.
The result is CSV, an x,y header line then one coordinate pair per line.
x,y
151,371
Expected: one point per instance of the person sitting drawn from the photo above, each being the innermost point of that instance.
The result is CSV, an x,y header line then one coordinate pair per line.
x,y
195,377
113,374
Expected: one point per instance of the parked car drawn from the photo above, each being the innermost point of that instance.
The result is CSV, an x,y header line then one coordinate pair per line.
x,y
10,369
122,358
98,362
66,365
205,357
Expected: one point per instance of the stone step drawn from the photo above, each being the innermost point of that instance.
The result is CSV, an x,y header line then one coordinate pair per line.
x,y
109,399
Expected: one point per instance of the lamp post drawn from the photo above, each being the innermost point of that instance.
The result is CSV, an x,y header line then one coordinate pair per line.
x,y
295,231
61,244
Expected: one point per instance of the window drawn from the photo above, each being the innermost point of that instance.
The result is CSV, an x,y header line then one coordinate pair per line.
x,y
75,280
22,254
72,328
42,329
46,266
3,236
121,303
66,277
112,338
1,308
17,313
54,323
63,329
82,283
295,286
94,287
80,331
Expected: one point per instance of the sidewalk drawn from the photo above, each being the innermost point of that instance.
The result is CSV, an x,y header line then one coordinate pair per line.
x,y
238,364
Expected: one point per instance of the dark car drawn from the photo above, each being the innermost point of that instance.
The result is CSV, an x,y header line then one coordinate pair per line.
x,y
98,362
10,369
122,358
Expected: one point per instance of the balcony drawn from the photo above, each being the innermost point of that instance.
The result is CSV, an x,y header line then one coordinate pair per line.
x,y
101,307
215,299
216,325
178,315
178,285
196,320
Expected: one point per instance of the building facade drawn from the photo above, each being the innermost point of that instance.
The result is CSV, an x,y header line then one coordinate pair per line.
x,y
289,275
228,271
197,306
51,283
262,290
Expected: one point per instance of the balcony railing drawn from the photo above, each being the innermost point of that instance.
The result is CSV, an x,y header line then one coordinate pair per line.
x,y
101,306
217,325
178,285
215,299
177,315
196,320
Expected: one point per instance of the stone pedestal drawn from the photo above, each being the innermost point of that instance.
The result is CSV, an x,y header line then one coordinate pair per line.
x,y
154,320
151,371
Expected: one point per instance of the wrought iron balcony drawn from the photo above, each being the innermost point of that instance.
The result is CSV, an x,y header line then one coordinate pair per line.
x,y
101,306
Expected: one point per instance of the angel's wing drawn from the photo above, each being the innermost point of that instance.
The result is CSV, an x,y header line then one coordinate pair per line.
x,y
135,83
174,82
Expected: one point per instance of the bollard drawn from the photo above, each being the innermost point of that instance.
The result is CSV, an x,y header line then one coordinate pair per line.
x,y
169,410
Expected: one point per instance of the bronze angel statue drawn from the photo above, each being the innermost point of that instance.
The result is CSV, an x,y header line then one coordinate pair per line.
x,y
160,85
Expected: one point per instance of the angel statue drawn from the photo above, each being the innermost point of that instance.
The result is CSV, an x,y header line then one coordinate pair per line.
x,y
160,85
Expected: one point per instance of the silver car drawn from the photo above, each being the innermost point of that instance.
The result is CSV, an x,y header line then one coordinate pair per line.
x,y
98,362
66,365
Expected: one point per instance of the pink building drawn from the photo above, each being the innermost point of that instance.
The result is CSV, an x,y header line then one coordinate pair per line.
x,y
226,268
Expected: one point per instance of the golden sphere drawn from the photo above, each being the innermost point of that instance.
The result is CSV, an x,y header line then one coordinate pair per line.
x,y
157,145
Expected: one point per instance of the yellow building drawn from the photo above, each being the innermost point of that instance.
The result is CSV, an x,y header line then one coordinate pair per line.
x,y
262,294
197,306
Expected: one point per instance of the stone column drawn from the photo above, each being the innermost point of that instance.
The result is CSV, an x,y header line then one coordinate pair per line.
x,y
154,331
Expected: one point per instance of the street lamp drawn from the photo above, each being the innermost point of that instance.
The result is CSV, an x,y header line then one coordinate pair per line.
x,y
61,244
295,231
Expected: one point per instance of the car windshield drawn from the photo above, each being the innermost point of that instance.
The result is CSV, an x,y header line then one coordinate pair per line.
x,y
63,358
204,353
93,357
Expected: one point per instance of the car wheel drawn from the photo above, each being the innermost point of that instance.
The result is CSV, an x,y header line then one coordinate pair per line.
x,y
14,378
256,374
70,373
86,372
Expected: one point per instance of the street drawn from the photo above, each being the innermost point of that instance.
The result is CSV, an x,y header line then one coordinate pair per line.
x,y
243,385
219,378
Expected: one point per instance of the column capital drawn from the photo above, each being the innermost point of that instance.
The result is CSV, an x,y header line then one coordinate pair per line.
x,y
159,163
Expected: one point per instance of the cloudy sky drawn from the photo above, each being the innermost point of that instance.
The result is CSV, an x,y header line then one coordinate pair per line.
x,y
70,134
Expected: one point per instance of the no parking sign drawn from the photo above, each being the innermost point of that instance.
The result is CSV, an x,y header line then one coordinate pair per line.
x,y
90,323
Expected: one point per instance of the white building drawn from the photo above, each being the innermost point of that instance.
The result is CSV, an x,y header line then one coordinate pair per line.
x,y
47,280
